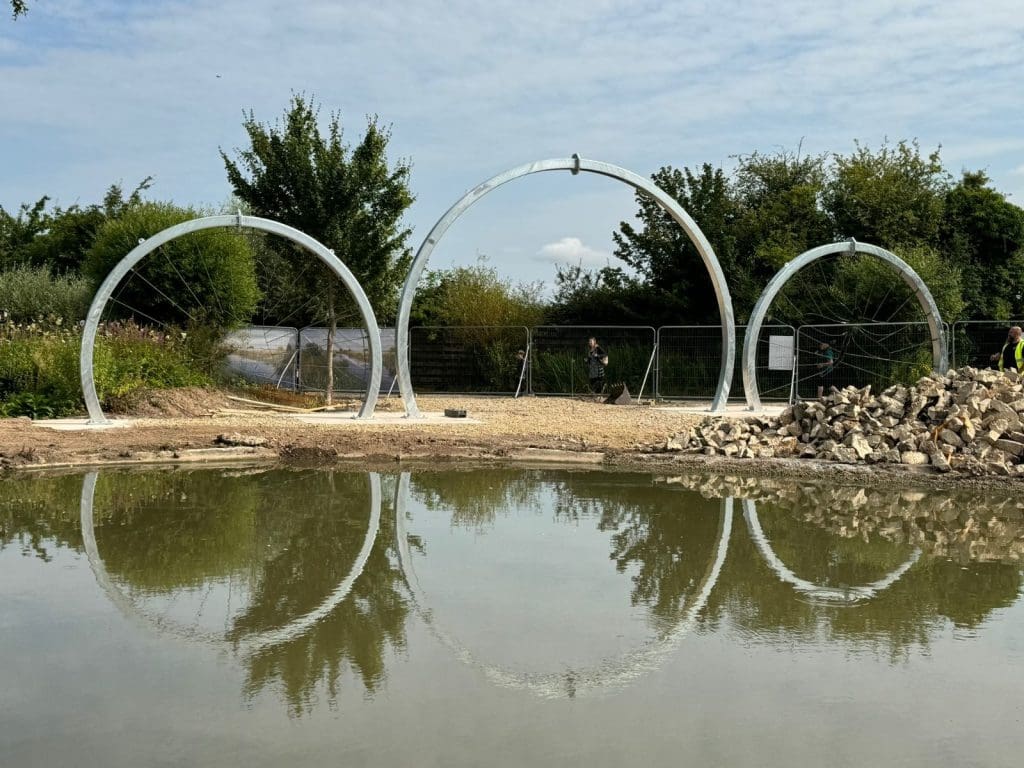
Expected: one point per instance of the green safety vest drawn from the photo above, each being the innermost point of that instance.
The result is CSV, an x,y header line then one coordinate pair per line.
x,y
1018,356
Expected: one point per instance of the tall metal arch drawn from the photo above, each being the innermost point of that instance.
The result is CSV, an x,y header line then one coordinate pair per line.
x,y
574,164
123,267
608,674
940,357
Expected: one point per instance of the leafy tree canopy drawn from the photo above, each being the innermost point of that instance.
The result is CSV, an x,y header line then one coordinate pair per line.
x,y
198,279
350,199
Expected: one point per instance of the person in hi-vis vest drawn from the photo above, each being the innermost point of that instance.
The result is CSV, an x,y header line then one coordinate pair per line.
x,y
1011,356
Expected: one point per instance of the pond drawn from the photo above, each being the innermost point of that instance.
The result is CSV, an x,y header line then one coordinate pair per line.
x,y
505,617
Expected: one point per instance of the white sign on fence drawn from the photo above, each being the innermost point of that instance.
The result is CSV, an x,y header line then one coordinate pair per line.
x,y
780,353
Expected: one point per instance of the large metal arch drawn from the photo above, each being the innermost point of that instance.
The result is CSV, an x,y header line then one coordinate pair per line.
x,y
123,267
250,644
574,164
609,673
940,356
834,595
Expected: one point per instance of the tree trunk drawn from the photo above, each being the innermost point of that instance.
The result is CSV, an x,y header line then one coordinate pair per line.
x,y
332,326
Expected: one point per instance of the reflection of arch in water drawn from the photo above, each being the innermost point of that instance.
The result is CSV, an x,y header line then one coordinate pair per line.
x,y
251,643
602,676
836,595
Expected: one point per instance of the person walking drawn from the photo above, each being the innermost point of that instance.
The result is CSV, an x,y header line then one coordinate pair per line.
x,y
1011,356
597,361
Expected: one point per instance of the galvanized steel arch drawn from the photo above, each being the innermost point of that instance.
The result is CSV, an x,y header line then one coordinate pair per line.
x,y
123,267
836,595
574,164
940,357
610,673
250,644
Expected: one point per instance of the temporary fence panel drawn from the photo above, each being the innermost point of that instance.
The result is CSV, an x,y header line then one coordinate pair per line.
x,y
558,364
879,354
351,360
263,354
975,341
690,357
482,359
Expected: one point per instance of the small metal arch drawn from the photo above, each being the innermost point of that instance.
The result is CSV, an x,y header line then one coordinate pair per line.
x,y
940,357
252,643
574,165
608,674
834,595
145,247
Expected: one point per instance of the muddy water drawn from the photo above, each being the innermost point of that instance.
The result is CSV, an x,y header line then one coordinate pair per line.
x,y
505,617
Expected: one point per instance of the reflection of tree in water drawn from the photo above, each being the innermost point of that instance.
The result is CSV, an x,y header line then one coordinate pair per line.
x,y
284,538
667,538
474,498
160,532
40,513
327,527
291,536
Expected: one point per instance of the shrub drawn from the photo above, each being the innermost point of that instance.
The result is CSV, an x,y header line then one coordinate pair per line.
x,y
28,293
207,277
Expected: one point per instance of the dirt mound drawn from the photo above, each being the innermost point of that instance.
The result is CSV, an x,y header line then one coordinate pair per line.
x,y
156,403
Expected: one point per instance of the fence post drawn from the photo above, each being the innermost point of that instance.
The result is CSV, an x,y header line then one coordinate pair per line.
x,y
526,365
654,354
657,366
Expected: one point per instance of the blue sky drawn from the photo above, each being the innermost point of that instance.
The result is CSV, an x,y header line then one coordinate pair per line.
x,y
95,91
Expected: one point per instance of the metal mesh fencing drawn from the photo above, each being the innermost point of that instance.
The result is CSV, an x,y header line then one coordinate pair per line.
x,y
263,355
480,359
558,364
858,354
975,341
351,360
690,358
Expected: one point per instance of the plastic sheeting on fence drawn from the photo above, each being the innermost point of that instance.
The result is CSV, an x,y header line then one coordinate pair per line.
x,y
671,362
264,354
351,360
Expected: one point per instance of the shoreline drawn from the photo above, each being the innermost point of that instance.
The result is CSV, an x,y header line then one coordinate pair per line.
x,y
524,432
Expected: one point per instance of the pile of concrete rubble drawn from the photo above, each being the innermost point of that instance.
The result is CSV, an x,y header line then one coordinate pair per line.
x,y
966,421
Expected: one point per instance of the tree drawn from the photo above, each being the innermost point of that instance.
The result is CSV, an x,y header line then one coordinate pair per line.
x,y
19,8
476,295
891,197
349,199
663,255
780,215
59,239
205,278
983,232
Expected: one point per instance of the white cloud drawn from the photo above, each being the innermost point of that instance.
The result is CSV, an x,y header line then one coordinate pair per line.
x,y
572,250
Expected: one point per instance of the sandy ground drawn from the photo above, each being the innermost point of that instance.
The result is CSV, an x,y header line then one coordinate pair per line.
x,y
534,429
495,427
